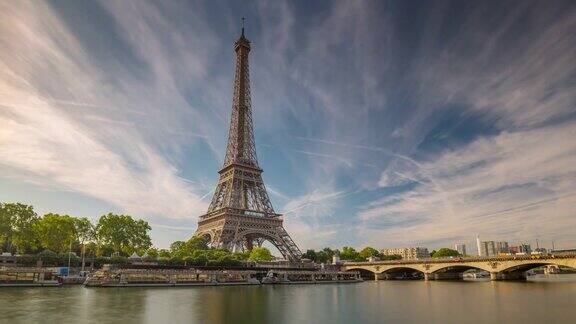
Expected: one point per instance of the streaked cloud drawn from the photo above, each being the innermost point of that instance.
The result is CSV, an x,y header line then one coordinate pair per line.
x,y
92,148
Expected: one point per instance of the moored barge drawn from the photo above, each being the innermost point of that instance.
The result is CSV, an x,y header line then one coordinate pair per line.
x,y
27,277
169,278
110,277
310,277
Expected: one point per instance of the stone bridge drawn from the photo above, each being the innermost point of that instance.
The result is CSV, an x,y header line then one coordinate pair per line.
x,y
500,268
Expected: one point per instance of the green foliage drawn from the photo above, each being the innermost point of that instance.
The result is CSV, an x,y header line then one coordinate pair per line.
x,y
47,255
197,243
85,230
55,232
123,233
196,252
163,253
179,251
444,253
349,253
104,250
326,254
260,254
368,252
310,254
390,257
152,253
323,256
17,227
50,258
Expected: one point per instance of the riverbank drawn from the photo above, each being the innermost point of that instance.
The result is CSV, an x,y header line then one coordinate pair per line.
x,y
160,277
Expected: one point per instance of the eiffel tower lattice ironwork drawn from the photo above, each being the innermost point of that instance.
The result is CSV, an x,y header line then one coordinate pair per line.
x,y
241,214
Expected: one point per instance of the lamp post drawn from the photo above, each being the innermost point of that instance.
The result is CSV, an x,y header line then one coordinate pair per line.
x,y
69,255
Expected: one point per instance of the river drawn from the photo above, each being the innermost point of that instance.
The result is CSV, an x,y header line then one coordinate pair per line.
x,y
544,299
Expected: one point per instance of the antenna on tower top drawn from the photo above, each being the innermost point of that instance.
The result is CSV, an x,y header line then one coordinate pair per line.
x,y
243,26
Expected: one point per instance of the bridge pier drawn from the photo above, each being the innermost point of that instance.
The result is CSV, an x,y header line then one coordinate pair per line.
x,y
507,275
493,276
426,276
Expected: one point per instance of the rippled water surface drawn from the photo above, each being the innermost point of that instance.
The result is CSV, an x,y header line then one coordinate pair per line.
x,y
543,300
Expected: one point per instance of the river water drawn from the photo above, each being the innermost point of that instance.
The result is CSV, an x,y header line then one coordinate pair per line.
x,y
549,299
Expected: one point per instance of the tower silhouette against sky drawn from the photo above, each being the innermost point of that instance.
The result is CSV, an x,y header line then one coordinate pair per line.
x,y
241,215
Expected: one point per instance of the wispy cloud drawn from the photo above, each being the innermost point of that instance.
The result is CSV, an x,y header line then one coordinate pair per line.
x,y
507,187
72,149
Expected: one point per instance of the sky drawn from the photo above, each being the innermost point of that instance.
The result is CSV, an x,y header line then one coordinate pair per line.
x,y
384,123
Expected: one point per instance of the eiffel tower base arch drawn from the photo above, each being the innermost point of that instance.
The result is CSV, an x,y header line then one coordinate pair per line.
x,y
231,229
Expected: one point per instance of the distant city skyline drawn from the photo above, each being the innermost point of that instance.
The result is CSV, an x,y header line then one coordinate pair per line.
x,y
377,123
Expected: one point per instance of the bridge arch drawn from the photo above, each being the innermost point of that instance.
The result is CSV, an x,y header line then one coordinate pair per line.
x,y
461,268
367,273
403,272
525,266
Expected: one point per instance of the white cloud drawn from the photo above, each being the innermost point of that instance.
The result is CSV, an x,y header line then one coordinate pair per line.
x,y
513,186
90,149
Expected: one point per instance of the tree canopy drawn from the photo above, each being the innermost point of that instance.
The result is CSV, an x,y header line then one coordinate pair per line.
x,y
349,253
260,254
369,252
56,232
17,226
85,230
124,233
444,253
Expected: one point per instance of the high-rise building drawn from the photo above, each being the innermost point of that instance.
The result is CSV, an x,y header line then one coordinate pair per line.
x,y
461,248
479,246
524,248
502,247
409,253
487,249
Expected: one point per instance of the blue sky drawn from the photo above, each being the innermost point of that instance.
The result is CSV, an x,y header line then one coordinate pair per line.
x,y
377,123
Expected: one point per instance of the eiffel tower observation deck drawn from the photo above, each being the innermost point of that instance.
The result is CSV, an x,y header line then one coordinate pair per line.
x,y
241,215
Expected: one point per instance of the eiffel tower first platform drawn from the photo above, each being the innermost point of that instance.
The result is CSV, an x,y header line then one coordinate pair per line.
x,y
240,215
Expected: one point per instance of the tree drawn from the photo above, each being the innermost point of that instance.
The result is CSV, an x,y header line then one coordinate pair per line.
x,y
444,253
152,253
311,255
84,229
85,232
16,226
177,246
391,257
55,232
326,255
124,233
348,253
260,254
368,252
197,243
163,253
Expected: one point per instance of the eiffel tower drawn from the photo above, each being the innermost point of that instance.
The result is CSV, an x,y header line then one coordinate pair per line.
x,y
240,215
